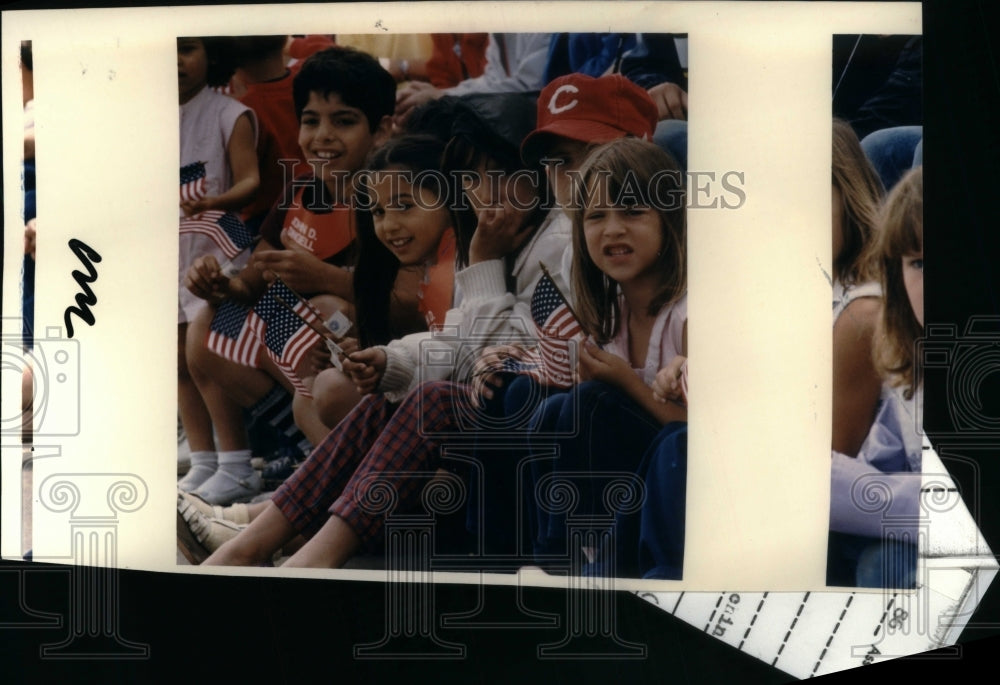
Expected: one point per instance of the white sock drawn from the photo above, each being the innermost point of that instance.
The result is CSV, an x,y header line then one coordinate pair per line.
x,y
203,465
236,463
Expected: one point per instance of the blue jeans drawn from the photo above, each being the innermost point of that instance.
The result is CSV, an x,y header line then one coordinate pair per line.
x,y
857,561
602,435
649,542
492,510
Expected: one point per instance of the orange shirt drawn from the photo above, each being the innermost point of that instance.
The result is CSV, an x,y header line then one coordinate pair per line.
x,y
324,235
327,230
436,291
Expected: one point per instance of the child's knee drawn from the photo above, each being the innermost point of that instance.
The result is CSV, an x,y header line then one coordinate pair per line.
x,y
194,348
598,396
334,395
300,404
522,395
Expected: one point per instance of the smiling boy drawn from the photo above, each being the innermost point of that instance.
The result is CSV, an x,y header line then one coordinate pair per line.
x,y
344,102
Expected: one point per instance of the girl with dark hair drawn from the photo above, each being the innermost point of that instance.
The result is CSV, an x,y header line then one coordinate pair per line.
x,y
403,279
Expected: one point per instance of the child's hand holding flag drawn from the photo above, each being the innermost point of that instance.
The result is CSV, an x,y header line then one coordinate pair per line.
x,y
670,384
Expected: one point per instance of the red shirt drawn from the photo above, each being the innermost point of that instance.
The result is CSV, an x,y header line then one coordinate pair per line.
x,y
456,57
272,102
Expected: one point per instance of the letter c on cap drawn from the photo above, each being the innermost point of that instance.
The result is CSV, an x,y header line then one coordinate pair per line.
x,y
556,109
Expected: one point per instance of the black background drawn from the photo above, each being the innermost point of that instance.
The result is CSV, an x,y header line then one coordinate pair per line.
x,y
205,629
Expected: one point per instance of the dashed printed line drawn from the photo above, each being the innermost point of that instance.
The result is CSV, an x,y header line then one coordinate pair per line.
x,y
714,612
677,604
753,620
840,620
885,613
791,627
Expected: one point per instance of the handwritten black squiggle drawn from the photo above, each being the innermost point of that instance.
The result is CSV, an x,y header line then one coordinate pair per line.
x,y
85,299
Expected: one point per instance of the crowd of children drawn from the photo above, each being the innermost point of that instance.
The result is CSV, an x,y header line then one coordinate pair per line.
x,y
474,277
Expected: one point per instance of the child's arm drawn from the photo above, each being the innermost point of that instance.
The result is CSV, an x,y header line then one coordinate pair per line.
x,y
304,272
597,364
242,157
206,279
365,368
299,269
856,384
493,362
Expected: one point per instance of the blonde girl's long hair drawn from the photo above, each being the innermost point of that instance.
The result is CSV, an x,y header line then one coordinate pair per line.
x,y
861,190
629,172
901,233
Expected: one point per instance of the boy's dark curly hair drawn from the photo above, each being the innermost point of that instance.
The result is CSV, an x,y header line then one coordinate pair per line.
x,y
355,76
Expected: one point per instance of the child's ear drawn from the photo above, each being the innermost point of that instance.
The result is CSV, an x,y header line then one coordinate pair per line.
x,y
383,131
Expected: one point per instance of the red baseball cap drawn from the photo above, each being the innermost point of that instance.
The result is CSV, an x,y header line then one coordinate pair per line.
x,y
590,110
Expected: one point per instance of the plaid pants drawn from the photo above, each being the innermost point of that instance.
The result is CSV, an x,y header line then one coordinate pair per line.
x,y
378,451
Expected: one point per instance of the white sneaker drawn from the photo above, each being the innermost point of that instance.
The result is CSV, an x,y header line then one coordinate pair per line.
x,y
213,533
188,505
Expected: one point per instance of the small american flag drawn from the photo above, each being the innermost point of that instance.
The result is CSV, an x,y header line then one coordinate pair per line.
x,y
192,181
224,228
527,364
231,334
556,327
286,334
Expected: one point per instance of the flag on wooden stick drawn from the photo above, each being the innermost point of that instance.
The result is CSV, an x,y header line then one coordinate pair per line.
x,y
290,329
557,328
224,228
